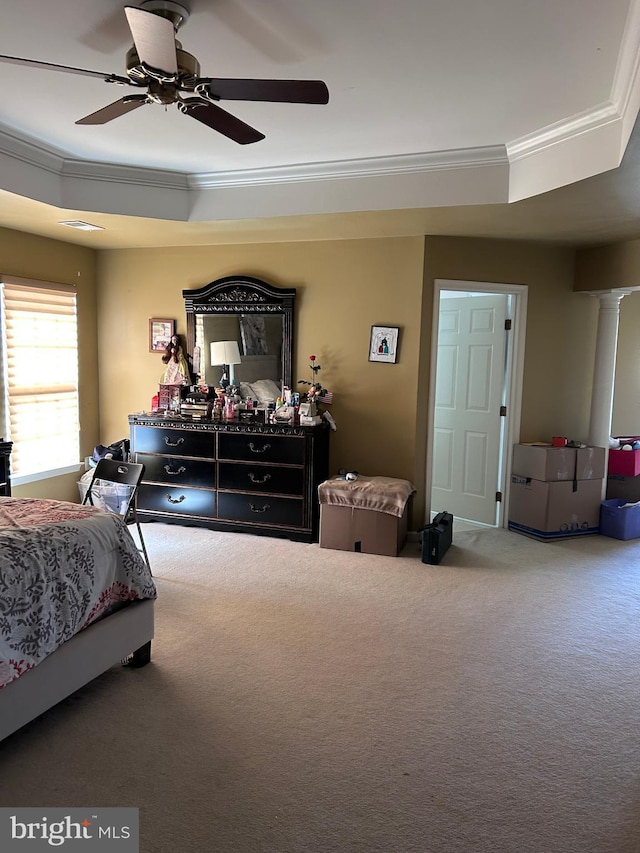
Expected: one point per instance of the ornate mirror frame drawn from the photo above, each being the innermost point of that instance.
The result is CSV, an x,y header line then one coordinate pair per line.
x,y
241,294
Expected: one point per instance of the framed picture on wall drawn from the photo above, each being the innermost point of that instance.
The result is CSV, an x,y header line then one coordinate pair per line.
x,y
383,345
160,333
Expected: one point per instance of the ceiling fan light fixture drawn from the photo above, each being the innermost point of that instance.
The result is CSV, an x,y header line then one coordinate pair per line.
x,y
80,225
187,74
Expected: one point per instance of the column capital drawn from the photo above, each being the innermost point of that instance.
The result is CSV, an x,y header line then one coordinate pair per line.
x,y
614,292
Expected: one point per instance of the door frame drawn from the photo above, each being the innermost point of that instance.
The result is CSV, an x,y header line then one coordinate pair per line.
x,y
514,378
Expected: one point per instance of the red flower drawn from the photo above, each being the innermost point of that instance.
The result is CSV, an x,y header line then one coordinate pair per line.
x,y
312,358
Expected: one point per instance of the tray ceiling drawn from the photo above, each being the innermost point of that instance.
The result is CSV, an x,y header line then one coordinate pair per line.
x,y
432,105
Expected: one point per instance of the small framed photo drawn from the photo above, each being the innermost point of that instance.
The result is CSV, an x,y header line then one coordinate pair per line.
x,y
160,334
383,345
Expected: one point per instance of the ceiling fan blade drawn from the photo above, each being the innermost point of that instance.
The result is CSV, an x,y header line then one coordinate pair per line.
x,y
286,91
51,66
115,110
154,38
218,119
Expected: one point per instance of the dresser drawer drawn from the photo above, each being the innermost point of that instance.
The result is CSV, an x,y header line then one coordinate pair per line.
x,y
260,509
175,442
261,448
260,478
177,501
178,471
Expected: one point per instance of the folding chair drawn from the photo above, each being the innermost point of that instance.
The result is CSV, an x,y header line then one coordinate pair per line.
x,y
111,472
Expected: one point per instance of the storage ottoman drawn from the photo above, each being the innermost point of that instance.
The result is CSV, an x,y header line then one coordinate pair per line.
x,y
368,515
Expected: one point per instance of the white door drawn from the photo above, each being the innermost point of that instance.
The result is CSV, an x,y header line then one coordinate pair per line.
x,y
470,389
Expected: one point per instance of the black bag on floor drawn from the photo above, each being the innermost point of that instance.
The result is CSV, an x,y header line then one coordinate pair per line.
x,y
436,538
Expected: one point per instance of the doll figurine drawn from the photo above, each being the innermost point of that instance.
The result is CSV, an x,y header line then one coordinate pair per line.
x,y
177,370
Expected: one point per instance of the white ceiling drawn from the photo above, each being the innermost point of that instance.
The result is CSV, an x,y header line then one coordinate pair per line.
x,y
433,105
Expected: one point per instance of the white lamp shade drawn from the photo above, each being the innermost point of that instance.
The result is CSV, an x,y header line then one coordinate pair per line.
x,y
224,352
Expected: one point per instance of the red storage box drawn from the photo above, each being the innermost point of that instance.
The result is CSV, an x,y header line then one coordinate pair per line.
x,y
626,463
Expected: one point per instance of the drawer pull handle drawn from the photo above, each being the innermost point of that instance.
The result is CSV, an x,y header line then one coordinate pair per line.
x,y
255,479
255,449
173,443
175,500
180,470
255,508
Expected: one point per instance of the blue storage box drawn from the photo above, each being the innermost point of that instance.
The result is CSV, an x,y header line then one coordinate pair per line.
x,y
619,521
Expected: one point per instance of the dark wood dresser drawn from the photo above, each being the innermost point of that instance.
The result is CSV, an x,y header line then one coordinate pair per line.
x,y
251,478
5,468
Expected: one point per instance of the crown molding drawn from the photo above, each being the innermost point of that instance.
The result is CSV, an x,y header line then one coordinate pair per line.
x,y
35,153
562,131
116,173
625,91
31,152
466,176
588,143
624,99
398,164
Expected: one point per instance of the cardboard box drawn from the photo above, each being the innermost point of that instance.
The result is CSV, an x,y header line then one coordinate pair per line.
x,y
590,463
550,464
557,510
543,462
624,462
346,528
618,521
623,487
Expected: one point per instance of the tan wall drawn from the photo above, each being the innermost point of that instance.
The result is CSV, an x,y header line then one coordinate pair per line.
x,y
626,399
30,256
604,268
561,326
343,288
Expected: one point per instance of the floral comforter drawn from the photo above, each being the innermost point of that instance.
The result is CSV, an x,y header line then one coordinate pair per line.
x,y
62,567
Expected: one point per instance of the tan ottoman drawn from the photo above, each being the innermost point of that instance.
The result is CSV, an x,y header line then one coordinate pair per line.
x,y
369,515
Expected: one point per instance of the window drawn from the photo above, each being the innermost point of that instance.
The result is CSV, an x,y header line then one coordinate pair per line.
x,y
40,377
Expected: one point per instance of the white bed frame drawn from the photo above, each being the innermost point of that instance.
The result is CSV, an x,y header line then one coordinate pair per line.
x,y
127,632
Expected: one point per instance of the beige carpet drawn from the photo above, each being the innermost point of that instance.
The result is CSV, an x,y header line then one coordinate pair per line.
x,y
302,700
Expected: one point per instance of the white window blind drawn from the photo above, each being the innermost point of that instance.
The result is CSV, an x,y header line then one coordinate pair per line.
x,y
40,344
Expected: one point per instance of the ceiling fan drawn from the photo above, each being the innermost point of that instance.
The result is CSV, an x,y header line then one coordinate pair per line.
x,y
170,75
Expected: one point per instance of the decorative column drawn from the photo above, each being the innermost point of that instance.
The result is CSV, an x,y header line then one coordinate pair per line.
x,y
605,365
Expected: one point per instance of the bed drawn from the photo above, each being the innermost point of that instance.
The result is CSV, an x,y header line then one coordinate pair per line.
x,y
76,597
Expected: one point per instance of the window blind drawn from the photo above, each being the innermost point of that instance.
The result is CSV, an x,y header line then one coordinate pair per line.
x,y
40,336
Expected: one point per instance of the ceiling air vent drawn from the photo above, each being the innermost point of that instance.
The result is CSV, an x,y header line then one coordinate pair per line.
x,y
82,226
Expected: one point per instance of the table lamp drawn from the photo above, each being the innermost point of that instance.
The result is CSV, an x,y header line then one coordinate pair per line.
x,y
225,354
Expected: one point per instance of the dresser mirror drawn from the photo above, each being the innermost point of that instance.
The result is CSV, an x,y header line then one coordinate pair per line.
x,y
251,312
